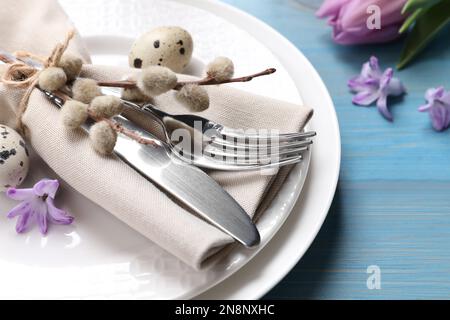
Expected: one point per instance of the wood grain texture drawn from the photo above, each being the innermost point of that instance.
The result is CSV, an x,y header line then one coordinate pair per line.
x,y
392,206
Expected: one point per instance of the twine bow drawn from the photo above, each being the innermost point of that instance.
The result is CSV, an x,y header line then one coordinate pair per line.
x,y
23,76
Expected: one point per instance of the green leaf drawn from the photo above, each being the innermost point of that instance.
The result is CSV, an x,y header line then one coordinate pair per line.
x,y
411,19
413,5
427,26
415,9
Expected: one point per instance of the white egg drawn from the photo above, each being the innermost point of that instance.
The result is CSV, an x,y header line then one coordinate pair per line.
x,y
170,47
14,158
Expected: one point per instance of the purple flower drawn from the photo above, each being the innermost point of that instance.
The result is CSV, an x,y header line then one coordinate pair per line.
x,y
373,85
350,18
438,106
37,204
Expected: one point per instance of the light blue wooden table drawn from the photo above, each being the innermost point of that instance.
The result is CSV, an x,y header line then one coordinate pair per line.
x,y
392,205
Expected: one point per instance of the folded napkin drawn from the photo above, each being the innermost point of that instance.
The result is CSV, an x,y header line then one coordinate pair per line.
x,y
36,26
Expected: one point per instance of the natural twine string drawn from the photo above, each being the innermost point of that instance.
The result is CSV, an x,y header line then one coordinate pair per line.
x,y
20,75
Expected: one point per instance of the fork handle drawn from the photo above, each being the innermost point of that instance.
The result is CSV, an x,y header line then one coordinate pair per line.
x,y
187,119
165,119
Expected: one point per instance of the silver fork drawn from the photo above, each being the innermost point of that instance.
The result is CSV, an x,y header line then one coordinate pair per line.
x,y
186,183
224,148
202,160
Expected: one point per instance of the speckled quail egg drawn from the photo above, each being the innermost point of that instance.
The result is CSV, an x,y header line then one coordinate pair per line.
x,y
14,158
169,47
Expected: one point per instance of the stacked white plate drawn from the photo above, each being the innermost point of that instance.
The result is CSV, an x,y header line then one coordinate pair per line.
x,y
88,260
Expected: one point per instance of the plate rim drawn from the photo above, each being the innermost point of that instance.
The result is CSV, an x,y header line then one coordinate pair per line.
x,y
231,13
305,62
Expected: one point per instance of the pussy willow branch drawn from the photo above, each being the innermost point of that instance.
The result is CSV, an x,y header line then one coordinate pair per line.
x,y
132,84
113,124
129,133
202,82
4,59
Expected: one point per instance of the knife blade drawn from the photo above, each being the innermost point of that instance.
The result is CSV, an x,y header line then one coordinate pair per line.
x,y
188,184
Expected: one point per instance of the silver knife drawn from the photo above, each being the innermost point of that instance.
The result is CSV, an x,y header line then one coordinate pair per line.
x,y
190,185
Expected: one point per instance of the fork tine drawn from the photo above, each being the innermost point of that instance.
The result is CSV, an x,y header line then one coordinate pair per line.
x,y
255,147
282,137
254,164
234,154
256,142
221,155
223,166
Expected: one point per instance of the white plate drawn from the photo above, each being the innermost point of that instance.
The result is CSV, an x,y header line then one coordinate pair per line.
x,y
95,265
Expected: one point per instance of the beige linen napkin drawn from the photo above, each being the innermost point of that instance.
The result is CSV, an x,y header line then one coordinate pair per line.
x,y
37,26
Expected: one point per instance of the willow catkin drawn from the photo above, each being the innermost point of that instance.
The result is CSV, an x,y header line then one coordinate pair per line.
x,y
221,69
134,94
52,79
85,90
74,113
195,96
71,64
156,80
106,106
103,137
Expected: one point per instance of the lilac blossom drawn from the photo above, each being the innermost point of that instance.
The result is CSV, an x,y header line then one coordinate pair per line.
x,y
374,85
438,107
37,205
